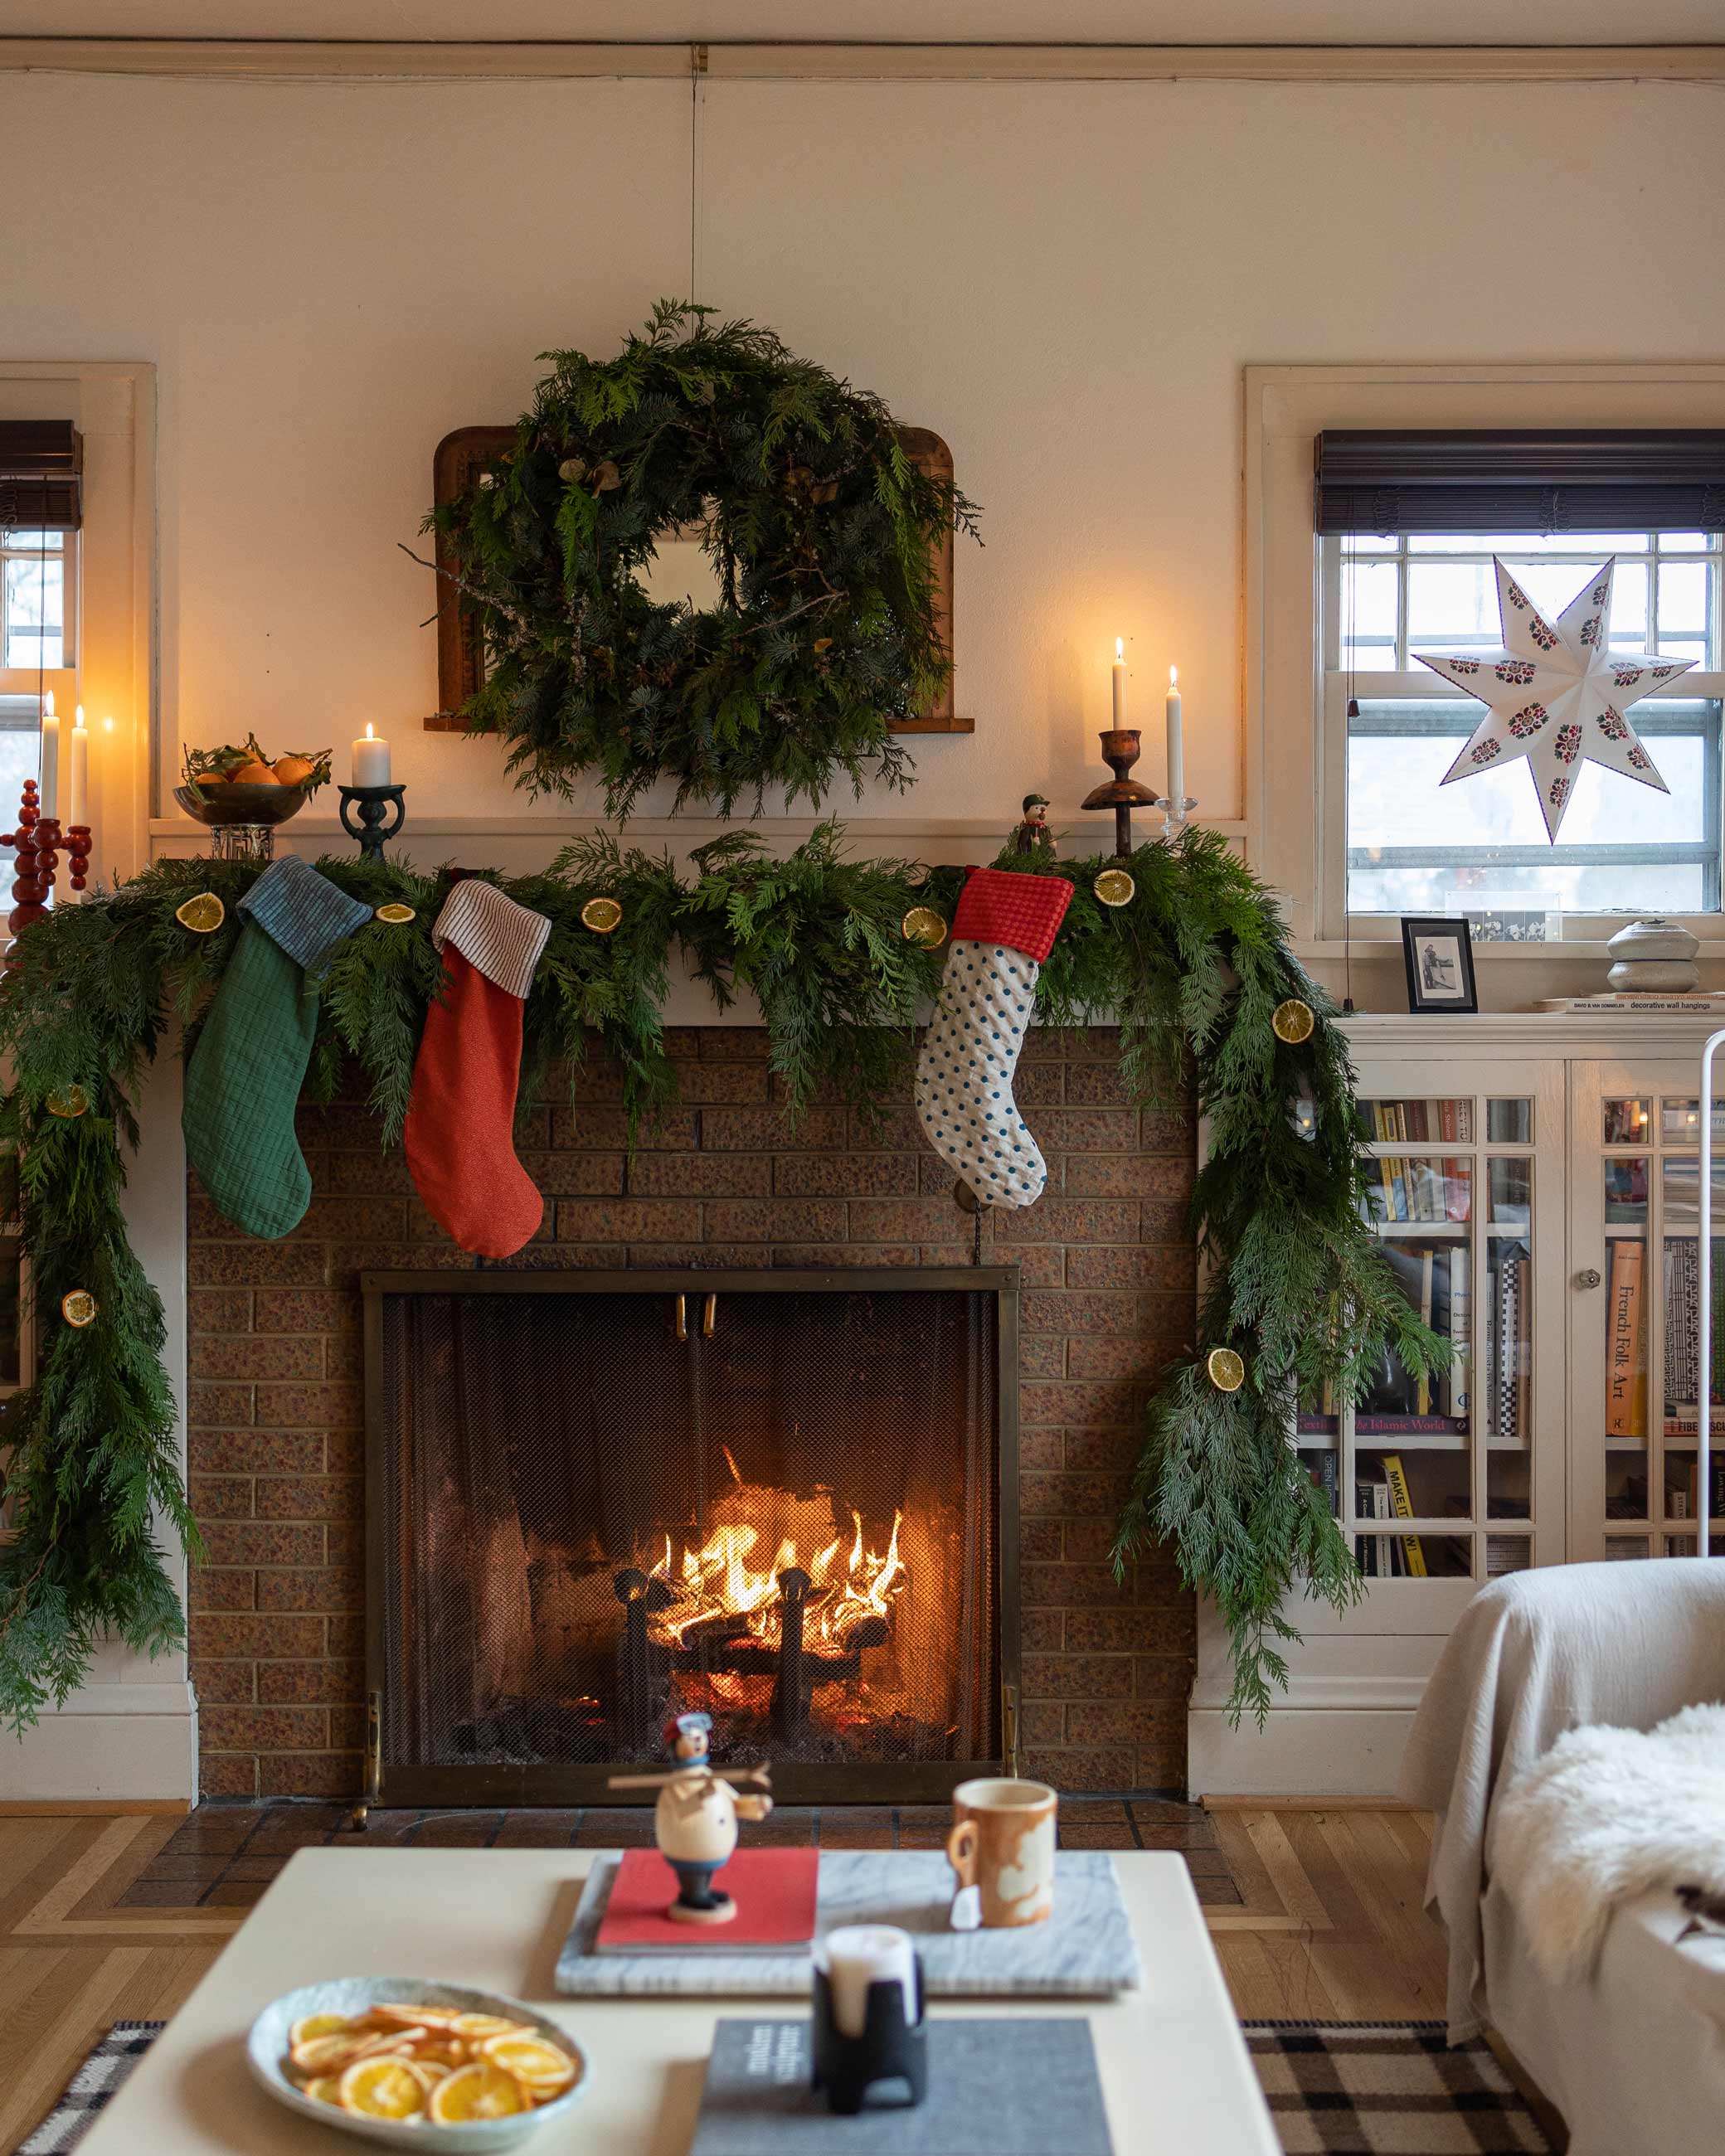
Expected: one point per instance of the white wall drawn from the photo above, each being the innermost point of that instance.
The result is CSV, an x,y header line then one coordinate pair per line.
x,y
1064,280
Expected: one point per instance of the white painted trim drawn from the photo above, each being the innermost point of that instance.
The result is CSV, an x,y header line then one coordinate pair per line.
x,y
1344,1752
741,60
169,1695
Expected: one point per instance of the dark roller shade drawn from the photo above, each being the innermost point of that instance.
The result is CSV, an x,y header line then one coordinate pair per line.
x,y
41,475
1391,482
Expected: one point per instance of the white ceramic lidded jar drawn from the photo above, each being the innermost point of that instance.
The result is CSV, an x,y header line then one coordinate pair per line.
x,y
1653,958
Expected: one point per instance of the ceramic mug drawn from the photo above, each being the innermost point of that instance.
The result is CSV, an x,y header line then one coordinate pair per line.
x,y
1003,1843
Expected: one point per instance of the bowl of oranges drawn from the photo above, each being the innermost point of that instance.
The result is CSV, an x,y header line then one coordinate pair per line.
x,y
241,783
416,2065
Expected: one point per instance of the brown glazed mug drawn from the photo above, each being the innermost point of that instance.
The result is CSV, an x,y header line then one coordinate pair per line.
x,y
1003,1843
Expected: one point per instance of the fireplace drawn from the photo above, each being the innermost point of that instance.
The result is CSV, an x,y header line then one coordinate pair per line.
x,y
595,1499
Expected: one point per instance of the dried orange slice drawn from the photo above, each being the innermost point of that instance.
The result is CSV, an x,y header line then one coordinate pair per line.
x,y
326,2089
1293,1021
1227,1370
480,2090
328,2054
79,1307
415,2017
68,1102
602,915
923,927
396,913
488,2025
203,915
532,2060
318,2025
1115,887
383,2088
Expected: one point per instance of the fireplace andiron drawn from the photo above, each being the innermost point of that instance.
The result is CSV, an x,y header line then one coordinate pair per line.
x,y
695,1820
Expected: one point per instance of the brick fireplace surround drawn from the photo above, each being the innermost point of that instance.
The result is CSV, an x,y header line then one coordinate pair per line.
x,y
276,1448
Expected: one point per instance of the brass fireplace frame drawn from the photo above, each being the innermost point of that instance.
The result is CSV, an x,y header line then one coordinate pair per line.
x,y
912,1782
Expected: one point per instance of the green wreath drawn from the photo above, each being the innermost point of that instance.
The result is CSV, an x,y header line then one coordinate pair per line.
x,y
821,532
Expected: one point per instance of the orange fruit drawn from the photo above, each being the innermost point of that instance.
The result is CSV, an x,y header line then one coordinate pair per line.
x,y
488,2025
382,2088
533,2061
316,2024
480,2090
326,2089
327,2054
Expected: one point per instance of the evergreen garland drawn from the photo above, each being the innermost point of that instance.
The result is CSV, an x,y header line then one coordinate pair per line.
x,y
821,532
1191,970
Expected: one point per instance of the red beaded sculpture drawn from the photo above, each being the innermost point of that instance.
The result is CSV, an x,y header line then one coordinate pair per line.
x,y
36,839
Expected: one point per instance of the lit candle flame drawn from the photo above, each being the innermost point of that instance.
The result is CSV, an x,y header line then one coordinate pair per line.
x,y
1173,676
1119,649
78,719
47,705
370,734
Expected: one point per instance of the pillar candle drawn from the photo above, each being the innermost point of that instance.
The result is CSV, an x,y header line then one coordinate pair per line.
x,y
48,793
859,1955
1176,755
1119,683
78,789
371,759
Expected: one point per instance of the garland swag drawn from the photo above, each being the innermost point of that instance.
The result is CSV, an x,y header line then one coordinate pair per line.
x,y
1191,970
819,525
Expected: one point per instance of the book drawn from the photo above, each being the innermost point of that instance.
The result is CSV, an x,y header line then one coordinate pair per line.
x,y
1326,1473
774,1891
1422,1386
1459,1328
1682,1325
1625,1375
1698,1003
1399,1497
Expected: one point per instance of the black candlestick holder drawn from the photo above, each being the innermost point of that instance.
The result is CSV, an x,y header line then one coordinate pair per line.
x,y
371,805
847,2068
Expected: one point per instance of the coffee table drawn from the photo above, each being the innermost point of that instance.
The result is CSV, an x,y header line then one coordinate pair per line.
x,y
1176,2076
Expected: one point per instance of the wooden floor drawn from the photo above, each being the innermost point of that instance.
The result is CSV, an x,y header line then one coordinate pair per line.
x,y
1318,1917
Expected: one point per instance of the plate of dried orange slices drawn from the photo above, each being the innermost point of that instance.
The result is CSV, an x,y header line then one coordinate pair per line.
x,y
415,2064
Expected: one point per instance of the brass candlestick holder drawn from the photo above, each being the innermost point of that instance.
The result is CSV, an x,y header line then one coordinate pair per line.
x,y
1122,747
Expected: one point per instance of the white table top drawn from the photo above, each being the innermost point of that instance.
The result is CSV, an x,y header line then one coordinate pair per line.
x,y
1176,2076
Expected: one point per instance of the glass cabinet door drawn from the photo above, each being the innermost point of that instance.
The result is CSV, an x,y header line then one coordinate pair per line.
x,y
1635,1311
1432,1476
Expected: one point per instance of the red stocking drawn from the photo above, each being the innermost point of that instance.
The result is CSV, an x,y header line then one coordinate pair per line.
x,y
460,1122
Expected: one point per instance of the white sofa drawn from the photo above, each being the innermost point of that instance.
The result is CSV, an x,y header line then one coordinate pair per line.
x,y
1633,2055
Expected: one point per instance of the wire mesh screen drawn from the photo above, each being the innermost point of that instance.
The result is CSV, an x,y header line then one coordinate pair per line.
x,y
590,1524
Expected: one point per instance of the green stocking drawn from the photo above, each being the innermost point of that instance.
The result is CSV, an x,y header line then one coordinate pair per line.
x,y
243,1080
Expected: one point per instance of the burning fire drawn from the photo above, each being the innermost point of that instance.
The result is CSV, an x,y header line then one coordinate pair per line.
x,y
718,1581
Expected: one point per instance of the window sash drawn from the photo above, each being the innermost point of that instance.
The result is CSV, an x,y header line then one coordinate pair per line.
x,y
21,681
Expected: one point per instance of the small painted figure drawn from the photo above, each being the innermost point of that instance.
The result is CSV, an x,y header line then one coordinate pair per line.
x,y
695,1819
1031,836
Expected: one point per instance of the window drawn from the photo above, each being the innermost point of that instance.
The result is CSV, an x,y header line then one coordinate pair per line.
x,y
37,590
1409,522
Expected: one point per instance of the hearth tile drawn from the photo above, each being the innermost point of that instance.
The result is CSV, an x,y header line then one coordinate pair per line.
x,y
603,1826
774,1219
625,1221
1165,1676
222,1587
463,1830
1044,1449
197,1866
311,1774
1041,1541
1065,1311
1070,1586
1081,1833
844,1175
312,1587
837,1825
1218,1893
922,1826
659,1257
265,1728
701,1175
770,1130
262,1542
1043,1721
1186,1840
253,1264
321,1682
344,1357
1104,1451
892,1130
1101,1357
220,1407
221,1497
1090,1541
246,1356
229,1774
825,1257
902,1219
253,1867
537,1829
732,1043
233,1634
245,1452
226,1684
235,1894
954,1254
1043,1631
606,1130
1123,1722
1077,1676
305,1310
1071,1220
725,1085
310,1497
575,1174
367,1171
789,1827
1067,1768
1072,1496
220,1309
1082,1130
310,1407
159,1894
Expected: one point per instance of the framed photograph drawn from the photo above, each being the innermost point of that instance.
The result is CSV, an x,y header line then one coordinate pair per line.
x,y
1440,961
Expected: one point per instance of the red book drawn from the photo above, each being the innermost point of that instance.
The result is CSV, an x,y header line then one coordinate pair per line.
x,y
774,1891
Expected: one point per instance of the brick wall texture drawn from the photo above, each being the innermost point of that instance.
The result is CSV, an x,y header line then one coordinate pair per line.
x,y
274,1420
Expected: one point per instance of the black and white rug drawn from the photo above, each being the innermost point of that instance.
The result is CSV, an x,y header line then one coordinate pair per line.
x,y
1335,2088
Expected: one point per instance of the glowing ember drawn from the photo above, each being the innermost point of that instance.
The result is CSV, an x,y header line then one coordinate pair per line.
x,y
718,1582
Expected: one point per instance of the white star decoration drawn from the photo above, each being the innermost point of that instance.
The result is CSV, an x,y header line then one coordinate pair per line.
x,y
1557,694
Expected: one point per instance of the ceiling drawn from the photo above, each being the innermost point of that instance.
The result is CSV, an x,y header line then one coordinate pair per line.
x,y
1061,21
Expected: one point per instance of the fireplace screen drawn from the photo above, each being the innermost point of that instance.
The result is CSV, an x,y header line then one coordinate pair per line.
x,y
595,1501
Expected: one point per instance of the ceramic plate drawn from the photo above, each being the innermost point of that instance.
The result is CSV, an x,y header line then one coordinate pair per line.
x,y
267,2047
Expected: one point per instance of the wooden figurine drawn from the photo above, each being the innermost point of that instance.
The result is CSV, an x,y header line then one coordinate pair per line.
x,y
694,1821
1031,835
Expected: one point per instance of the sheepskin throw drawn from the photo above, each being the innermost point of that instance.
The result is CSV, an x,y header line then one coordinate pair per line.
x,y
1607,1814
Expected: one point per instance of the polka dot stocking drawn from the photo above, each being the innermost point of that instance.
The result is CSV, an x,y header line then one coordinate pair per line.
x,y
1004,929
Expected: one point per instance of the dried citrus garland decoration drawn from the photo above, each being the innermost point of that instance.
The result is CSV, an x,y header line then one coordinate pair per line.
x,y
923,927
68,1102
1293,1021
79,1307
602,915
1227,1370
396,915
1115,887
203,915
433,2065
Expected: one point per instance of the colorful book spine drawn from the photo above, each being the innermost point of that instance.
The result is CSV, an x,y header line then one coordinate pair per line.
x,y
1461,1389
1625,1378
1401,1499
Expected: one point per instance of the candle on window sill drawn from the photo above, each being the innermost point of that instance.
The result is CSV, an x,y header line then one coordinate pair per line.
x,y
1119,683
859,1955
1176,753
49,792
78,790
371,759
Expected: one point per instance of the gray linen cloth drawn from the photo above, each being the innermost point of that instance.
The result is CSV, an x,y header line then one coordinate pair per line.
x,y
1534,1654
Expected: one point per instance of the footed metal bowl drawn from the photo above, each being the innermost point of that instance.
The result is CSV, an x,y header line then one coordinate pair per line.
x,y
242,804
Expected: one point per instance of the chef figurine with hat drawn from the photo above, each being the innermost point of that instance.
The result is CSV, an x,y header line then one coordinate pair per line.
x,y
1031,836
694,1821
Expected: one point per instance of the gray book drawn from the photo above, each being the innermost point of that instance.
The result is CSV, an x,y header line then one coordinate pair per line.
x,y
995,2088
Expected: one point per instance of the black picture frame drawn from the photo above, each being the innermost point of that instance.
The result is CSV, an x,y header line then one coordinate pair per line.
x,y
1437,985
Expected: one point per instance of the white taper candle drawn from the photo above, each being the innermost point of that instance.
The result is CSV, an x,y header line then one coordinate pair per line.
x,y
1176,755
1119,683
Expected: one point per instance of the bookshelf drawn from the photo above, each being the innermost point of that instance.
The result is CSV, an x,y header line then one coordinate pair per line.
x,y
1531,1172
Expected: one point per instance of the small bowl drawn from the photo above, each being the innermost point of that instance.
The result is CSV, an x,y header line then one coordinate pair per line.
x,y
267,2047
242,804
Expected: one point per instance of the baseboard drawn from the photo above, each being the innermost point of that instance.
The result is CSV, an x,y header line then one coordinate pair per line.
x,y
1350,1752
1283,1802
114,1747
94,1807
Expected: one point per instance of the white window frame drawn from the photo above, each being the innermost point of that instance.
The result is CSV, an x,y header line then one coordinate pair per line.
x,y
1295,739
21,680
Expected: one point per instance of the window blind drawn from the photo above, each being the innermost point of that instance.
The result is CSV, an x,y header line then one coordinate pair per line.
x,y
41,475
1394,482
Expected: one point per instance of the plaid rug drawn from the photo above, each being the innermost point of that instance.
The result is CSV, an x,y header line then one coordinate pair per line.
x,y
1335,2088
1388,2088
93,2084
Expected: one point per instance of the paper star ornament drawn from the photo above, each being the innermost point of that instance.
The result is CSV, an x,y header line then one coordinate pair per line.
x,y
1557,694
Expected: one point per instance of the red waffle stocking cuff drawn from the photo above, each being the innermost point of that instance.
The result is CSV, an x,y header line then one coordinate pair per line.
x,y
1023,913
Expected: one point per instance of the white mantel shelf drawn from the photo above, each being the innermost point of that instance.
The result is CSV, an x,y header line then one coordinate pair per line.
x,y
1532,1032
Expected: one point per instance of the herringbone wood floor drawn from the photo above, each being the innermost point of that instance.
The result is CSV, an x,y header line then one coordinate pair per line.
x,y
1315,1912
